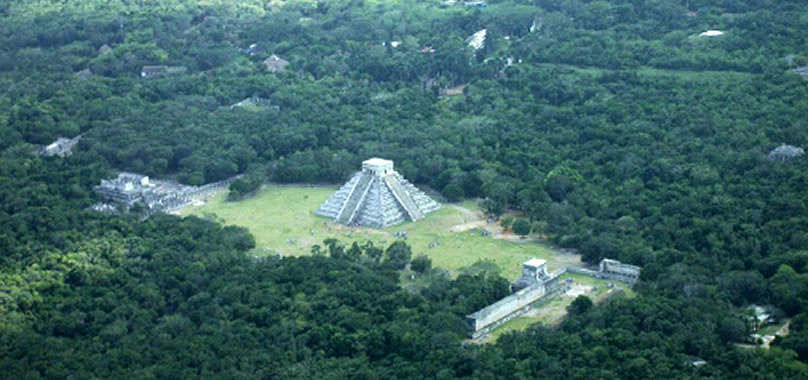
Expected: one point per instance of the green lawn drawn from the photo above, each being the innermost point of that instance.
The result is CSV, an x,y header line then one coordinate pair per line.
x,y
772,328
282,220
602,289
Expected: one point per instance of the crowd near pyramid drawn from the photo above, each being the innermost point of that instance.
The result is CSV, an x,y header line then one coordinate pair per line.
x,y
378,197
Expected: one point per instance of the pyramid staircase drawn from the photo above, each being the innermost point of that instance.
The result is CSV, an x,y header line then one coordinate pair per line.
x,y
354,201
403,198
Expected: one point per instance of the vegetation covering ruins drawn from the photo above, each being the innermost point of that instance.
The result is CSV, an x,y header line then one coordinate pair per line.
x,y
664,134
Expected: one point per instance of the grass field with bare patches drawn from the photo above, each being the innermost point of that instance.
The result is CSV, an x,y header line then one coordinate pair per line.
x,y
282,220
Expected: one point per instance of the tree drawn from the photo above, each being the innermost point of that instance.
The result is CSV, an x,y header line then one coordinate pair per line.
x,y
239,238
797,338
558,186
580,305
421,264
788,289
732,329
506,222
335,248
317,250
521,227
398,255
453,192
373,252
244,186
354,252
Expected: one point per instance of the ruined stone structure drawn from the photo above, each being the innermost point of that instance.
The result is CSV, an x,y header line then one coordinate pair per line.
x,y
534,285
533,271
615,270
276,64
151,71
254,102
104,49
62,147
130,188
125,190
785,152
481,321
611,270
477,40
377,197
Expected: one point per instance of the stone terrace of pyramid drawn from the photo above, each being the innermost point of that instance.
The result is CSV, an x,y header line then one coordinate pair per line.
x,y
377,197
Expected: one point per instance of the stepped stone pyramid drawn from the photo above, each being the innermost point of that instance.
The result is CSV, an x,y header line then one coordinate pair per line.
x,y
377,197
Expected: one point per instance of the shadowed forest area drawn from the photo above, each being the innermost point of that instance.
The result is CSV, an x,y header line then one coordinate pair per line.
x,y
614,126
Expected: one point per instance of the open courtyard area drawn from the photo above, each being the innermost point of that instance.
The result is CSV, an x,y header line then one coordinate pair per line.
x,y
282,220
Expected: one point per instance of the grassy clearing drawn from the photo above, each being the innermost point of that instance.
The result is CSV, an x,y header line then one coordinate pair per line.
x,y
282,220
601,285
772,328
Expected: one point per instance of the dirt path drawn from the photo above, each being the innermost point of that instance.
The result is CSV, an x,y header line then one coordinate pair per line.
x,y
473,220
469,215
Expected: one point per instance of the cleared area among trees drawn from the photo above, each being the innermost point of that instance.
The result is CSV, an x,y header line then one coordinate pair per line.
x,y
282,221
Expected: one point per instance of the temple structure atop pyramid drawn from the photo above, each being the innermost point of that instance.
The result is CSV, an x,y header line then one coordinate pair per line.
x,y
377,197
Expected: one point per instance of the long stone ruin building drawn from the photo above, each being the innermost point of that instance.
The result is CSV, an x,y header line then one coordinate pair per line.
x,y
377,197
129,189
615,270
535,284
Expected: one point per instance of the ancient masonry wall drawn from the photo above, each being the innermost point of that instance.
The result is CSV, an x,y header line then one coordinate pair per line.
x,y
500,309
423,201
333,205
583,271
488,318
552,288
379,209
628,274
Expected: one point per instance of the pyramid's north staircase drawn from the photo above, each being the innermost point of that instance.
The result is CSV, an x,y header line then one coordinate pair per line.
x,y
355,198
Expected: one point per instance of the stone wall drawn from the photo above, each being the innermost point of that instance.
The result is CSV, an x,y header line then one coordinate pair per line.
x,y
502,308
583,271
611,270
615,270
541,285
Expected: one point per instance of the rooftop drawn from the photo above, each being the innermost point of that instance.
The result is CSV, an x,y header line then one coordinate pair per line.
x,y
711,33
153,68
477,40
535,262
377,162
